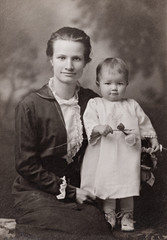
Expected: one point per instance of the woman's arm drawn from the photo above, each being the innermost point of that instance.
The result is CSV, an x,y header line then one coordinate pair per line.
x,y
28,163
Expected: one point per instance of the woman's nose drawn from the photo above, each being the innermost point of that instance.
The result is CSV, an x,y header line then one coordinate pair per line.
x,y
69,65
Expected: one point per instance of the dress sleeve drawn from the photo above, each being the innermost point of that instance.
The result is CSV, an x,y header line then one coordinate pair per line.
x,y
145,125
91,120
28,163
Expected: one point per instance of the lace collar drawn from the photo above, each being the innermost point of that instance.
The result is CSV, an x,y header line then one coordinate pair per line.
x,y
61,101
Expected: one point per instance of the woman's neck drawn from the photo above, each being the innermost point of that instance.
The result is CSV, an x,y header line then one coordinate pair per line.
x,y
64,90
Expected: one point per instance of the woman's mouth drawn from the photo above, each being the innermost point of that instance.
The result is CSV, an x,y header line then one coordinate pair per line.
x,y
69,73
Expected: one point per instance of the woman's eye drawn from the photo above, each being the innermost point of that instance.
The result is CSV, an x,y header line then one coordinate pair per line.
x,y
61,58
77,59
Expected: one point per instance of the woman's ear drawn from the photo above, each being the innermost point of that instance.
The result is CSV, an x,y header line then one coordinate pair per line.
x,y
85,64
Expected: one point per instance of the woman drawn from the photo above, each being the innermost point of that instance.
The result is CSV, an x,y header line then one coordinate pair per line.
x,y
50,143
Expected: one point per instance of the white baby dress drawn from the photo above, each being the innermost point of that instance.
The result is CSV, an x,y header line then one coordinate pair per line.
x,y
111,167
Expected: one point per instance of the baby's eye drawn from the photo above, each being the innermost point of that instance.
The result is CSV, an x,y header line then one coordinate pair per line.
x,y
121,83
107,83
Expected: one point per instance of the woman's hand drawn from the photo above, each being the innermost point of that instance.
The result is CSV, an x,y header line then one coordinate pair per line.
x,y
84,196
103,130
154,144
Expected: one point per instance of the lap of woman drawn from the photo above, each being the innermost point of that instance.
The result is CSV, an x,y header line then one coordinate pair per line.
x,y
43,211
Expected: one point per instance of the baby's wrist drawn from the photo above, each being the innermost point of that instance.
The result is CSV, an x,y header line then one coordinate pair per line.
x,y
154,139
97,129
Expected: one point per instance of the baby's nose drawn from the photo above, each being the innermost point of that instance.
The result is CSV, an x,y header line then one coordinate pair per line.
x,y
113,86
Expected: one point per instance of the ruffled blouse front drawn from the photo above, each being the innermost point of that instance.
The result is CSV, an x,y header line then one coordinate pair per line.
x,y
71,113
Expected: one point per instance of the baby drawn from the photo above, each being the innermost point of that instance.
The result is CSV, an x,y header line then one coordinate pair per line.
x,y
115,127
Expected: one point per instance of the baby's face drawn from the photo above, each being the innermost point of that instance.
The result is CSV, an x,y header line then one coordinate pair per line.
x,y
112,84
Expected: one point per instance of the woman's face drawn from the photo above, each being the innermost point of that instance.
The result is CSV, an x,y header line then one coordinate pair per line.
x,y
68,61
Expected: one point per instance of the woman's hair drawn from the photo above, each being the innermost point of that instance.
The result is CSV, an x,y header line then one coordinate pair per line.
x,y
113,63
72,34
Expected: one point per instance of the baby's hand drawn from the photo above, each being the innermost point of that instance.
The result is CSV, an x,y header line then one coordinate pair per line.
x,y
84,196
103,130
154,144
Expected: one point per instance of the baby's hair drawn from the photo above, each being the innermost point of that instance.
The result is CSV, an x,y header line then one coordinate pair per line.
x,y
72,34
120,65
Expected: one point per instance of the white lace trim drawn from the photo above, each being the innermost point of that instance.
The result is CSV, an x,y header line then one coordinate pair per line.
x,y
148,135
71,113
62,189
75,140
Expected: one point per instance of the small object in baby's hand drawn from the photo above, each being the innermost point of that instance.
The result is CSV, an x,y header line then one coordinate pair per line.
x,y
121,127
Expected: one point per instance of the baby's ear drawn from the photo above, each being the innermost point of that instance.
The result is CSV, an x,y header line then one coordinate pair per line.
x,y
97,83
51,61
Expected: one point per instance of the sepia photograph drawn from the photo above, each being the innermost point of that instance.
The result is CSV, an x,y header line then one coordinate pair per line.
x,y
83,119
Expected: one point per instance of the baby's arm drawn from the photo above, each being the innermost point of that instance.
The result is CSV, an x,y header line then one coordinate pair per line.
x,y
101,130
154,144
92,124
146,128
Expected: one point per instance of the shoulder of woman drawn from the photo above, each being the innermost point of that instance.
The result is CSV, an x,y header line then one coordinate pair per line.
x,y
29,99
88,92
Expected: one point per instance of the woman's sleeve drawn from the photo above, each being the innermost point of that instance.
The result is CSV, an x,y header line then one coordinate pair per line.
x,y
28,163
145,125
91,120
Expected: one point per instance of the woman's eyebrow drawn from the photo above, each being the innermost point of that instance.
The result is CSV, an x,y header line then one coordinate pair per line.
x,y
60,54
78,55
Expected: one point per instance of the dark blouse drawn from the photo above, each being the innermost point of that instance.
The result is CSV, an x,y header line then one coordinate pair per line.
x,y
41,143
